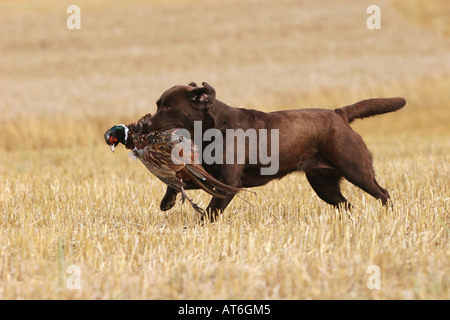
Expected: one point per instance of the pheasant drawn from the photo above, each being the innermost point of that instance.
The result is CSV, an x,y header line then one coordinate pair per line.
x,y
172,158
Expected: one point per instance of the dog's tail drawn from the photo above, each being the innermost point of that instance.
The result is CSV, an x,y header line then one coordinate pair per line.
x,y
370,108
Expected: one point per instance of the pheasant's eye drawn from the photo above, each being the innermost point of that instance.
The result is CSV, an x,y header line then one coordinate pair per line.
x,y
112,139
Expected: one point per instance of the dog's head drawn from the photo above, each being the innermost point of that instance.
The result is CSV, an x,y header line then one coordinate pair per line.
x,y
180,106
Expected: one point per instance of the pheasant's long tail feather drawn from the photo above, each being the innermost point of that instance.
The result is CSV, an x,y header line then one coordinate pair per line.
x,y
210,184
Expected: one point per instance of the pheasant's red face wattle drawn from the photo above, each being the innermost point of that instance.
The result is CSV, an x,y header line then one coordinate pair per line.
x,y
112,140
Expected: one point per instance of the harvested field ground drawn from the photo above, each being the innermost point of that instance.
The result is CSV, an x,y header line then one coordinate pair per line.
x,y
66,200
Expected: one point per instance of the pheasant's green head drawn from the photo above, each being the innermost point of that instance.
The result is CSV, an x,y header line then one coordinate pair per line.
x,y
116,134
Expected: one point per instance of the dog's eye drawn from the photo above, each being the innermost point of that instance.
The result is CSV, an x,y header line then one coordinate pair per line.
x,y
167,106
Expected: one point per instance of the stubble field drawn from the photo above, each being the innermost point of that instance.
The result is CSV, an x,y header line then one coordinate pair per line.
x,y
72,210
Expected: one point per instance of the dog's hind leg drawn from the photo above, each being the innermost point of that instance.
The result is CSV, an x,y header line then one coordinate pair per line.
x,y
364,178
355,164
366,181
325,183
216,206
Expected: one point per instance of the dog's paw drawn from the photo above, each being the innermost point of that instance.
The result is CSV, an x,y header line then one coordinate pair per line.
x,y
167,202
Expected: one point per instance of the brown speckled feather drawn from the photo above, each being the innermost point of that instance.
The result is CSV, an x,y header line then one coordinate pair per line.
x,y
156,156
155,151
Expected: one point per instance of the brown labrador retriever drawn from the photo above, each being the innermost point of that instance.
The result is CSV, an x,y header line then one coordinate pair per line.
x,y
319,142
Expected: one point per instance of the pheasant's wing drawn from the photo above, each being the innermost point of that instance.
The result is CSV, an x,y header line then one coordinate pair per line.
x,y
184,150
160,164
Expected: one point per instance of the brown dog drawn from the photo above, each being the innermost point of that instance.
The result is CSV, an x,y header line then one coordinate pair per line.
x,y
319,142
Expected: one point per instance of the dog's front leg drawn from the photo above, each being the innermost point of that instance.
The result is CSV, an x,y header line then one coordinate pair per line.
x,y
216,206
229,174
169,199
171,196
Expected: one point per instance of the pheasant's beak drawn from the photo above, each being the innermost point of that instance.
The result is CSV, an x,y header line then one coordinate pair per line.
x,y
112,147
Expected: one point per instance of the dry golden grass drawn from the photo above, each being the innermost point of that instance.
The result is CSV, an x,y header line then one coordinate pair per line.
x,y
432,15
66,200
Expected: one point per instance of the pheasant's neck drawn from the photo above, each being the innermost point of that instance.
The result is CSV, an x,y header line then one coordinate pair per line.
x,y
126,130
128,139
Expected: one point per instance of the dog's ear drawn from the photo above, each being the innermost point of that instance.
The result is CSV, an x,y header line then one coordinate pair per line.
x,y
192,84
203,97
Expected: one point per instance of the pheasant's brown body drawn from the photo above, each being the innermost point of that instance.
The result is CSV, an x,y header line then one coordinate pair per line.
x,y
174,159
171,157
